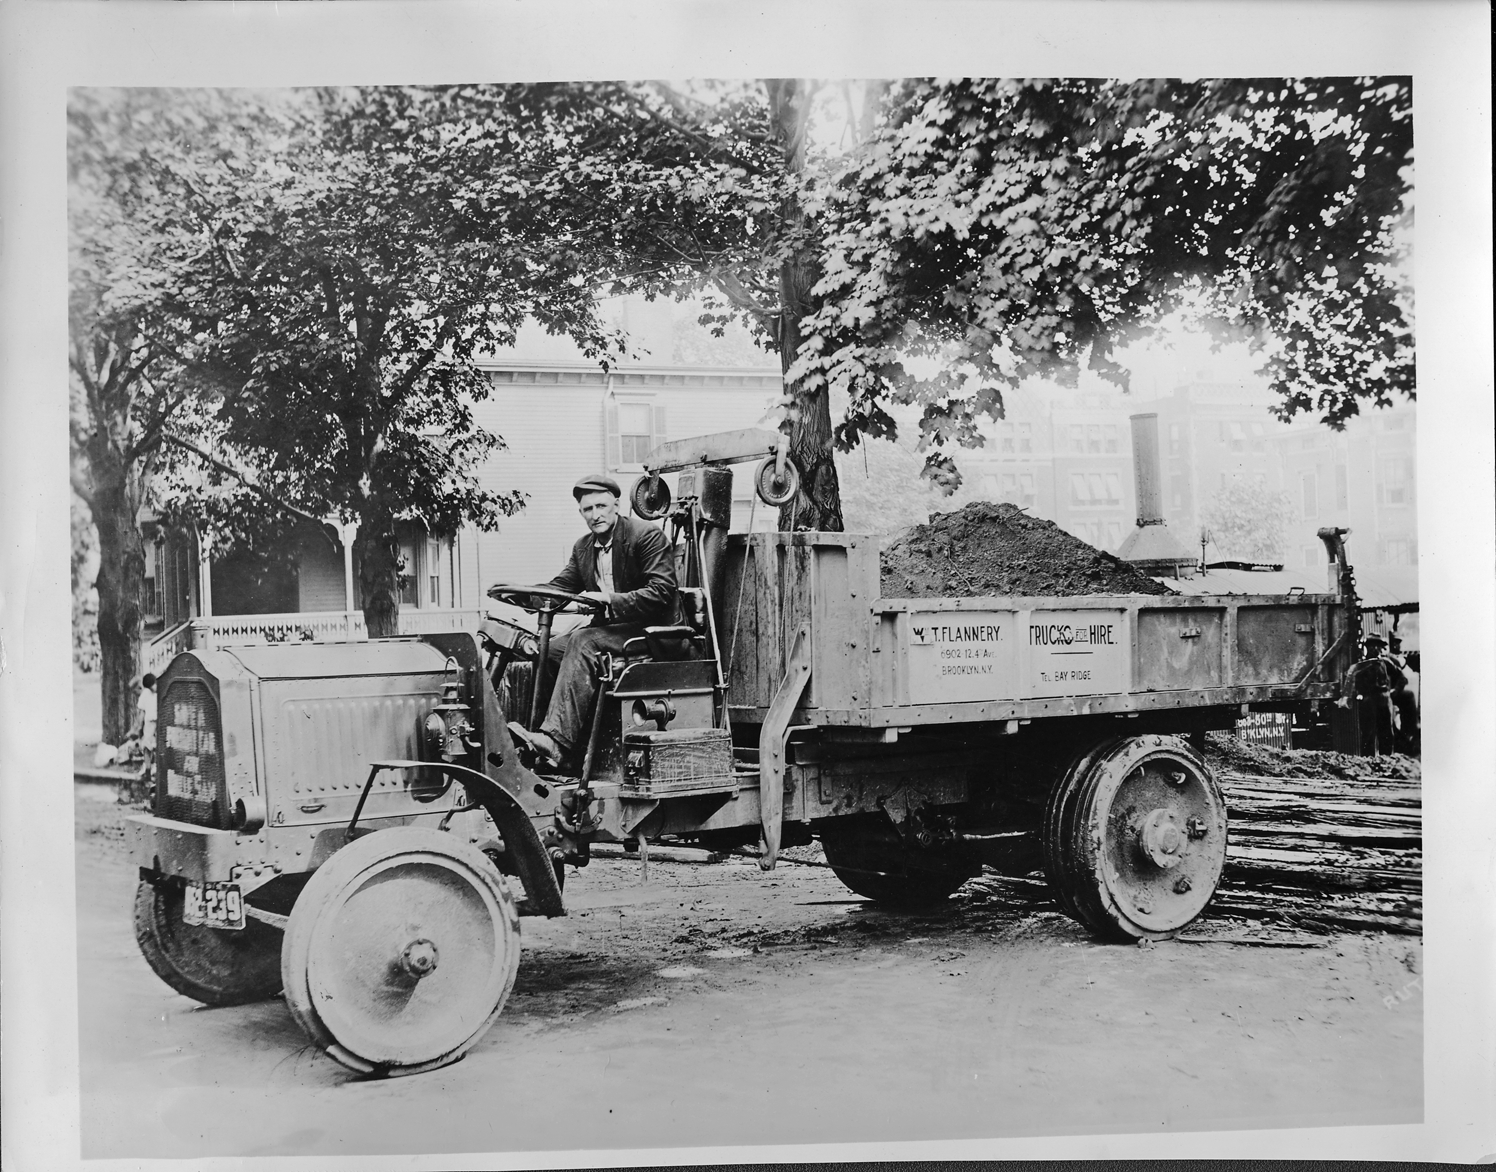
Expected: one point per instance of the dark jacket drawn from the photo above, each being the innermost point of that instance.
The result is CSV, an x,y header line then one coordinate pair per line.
x,y
643,574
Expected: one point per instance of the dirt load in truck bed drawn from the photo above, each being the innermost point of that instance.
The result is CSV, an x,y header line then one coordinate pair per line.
x,y
998,549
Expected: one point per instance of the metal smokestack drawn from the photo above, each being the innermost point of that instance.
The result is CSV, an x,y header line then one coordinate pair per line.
x,y
1151,547
1145,469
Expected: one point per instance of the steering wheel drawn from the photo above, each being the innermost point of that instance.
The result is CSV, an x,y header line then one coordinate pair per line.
x,y
544,600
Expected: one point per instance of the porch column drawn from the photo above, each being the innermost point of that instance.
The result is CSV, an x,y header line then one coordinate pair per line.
x,y
205,574
348,534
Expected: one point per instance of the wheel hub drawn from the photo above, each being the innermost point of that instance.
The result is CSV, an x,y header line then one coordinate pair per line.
x,y
1162,838
419,959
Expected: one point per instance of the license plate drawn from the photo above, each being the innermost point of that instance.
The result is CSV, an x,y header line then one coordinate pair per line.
x,y
214,905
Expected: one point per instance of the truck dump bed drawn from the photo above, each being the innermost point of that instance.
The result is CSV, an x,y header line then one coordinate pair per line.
x,y
890,662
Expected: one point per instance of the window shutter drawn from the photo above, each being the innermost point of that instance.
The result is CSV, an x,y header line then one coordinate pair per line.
x,y
610,423
658,416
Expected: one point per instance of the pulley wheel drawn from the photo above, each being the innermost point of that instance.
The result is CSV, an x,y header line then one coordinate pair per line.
x,y
216,966
401,951
650,497
774,489
1135,838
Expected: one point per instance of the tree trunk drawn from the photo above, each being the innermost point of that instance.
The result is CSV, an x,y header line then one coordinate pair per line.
x,y
818,503
378,550
121,584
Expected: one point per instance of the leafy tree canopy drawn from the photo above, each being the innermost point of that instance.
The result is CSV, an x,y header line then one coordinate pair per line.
x,y
353,252
995,230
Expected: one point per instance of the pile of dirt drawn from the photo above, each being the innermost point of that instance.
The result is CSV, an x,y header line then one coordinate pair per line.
x,y
998,549
1231,755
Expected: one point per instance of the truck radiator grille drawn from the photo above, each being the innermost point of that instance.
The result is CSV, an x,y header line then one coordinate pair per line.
x,y
189,757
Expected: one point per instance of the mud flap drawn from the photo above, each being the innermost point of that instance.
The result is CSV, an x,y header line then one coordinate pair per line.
x,y
771,746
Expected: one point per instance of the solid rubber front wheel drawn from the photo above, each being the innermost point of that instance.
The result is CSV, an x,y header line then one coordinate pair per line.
x,y
401,951
216,966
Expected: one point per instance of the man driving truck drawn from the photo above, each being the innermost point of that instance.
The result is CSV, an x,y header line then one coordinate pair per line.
x,y
628,567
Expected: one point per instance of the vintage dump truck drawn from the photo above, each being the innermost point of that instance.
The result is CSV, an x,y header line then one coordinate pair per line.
x,y
353,823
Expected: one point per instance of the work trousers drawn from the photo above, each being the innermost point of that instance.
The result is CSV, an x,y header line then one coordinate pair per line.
x,y
573,662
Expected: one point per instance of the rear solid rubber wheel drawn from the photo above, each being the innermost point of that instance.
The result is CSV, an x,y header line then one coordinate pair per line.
x,y
871,861
401,951
212,965
1135,838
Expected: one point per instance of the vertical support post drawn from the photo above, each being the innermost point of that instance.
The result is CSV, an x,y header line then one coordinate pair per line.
x,y
348,534
771,745
205,574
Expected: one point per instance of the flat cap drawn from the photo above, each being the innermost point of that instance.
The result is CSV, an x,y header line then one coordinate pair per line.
x,y
595,484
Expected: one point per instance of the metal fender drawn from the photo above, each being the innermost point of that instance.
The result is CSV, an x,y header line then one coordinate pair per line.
x,y
531,862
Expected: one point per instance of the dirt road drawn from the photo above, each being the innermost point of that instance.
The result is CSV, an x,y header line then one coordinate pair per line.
x,y
714,1005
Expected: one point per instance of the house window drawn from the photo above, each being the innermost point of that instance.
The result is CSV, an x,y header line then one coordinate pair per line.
x,y
150,599
1093,438
635,427
1109,437
1398,551
1025,437
433,572
1342,488
1077,438
1176,440
635,431
1010,486
1007,437
1080,492
1113,489
1026,494
1310,486
1394,482
1238,438
408,578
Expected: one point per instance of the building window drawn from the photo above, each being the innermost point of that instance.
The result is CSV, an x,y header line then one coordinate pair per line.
x,y
1342,488
408,572
1394,482
1113,534
1258,442
1077,438
1176,490
635,432
1080,493
635,427
1026,495
1398,551
1093,438
1176,440
990,487
1311,495
1238,438
1010,486
1006,442
433,572
1025,437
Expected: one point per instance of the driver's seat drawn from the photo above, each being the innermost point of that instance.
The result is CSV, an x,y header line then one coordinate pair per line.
x,y
684,640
